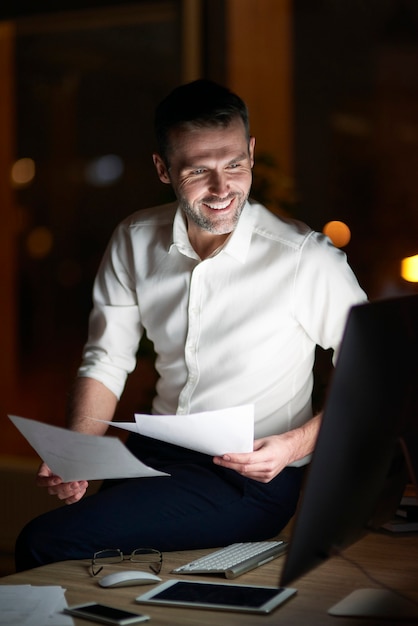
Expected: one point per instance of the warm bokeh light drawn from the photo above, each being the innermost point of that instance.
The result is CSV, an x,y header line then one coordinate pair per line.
x,y
409,269
338,232
39,242
23,172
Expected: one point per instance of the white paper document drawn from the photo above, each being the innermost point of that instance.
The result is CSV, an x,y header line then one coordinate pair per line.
x,y
76,456
27,605
210,432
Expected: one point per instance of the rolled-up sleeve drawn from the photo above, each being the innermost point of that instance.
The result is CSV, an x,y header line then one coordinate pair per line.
x,y
115,327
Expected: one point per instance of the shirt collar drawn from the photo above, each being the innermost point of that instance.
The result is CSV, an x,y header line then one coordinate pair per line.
x,y
180,237
237,246
239,242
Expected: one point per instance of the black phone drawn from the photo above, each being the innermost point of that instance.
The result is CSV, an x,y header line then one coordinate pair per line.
x,y
105,614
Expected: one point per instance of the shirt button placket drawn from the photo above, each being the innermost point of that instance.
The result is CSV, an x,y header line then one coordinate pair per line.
x,y
192,340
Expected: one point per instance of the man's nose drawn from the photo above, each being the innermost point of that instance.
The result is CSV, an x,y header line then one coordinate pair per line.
x,y
218,183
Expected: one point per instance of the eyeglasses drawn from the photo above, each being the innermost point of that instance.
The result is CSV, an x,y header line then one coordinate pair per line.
x,y
152,557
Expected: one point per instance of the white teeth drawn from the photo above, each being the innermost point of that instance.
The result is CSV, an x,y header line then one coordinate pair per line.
x,y
219,206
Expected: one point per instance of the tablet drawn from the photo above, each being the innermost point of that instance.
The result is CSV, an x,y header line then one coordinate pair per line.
x,y
214,595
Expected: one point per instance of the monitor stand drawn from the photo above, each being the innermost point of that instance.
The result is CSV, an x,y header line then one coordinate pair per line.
x,y
383,603
376,603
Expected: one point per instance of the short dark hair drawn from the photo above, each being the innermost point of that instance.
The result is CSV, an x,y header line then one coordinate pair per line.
x,y
201,103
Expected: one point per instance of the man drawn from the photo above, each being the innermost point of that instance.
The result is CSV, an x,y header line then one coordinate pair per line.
x,y
235,301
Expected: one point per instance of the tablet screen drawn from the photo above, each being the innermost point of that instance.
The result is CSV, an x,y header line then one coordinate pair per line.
x,y
225,596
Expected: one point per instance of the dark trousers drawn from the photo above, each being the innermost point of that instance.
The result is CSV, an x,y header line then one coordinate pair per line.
x,y
200,505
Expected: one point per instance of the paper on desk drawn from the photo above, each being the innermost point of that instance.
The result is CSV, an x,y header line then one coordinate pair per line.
x,y
27,605
77,456
210,432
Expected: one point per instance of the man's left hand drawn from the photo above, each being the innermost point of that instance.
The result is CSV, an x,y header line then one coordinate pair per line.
x,y
269,457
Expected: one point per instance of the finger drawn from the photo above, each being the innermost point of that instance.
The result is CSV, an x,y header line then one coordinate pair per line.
x,y
263,470
245,469
228,461
238,459
262,475
75,498
44,473
48,481
235,461
68,490
66,494
259,446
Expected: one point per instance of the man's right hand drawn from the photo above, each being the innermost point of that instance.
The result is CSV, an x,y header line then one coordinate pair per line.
x,y
68,492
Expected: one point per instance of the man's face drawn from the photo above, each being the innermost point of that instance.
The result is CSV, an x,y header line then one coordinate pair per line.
x,y
210,170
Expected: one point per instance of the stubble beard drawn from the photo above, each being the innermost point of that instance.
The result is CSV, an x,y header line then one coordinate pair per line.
x,y
216,227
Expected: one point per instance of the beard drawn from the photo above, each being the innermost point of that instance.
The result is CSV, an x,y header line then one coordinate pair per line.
x,y
213,223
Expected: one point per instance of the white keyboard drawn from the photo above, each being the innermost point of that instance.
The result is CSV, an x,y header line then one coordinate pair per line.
x,y
235,559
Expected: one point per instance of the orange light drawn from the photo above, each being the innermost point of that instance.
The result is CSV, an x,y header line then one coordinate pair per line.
x,y
338,232
409,269
23,172
39,242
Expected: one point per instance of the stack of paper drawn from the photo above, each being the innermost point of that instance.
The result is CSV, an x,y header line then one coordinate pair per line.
x,y
26,605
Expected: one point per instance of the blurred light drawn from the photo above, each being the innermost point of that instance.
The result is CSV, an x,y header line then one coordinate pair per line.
x,y
23,172
39,242
104,171
409,269
338,232
351,124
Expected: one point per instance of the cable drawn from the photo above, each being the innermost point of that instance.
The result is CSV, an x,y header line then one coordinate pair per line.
x,y
372,578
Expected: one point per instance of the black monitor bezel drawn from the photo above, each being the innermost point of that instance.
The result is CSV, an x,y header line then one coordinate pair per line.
x,y
357,472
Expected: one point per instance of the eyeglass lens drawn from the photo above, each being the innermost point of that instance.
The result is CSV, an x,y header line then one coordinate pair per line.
x,y
145,555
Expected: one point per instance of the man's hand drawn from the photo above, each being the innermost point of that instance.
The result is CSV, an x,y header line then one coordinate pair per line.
x,y
269,457
68,492
272,454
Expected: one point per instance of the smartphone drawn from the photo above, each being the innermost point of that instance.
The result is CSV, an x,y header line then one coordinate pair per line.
x,y
105,614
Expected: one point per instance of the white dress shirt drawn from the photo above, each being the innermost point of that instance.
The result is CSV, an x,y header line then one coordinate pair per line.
x,y
239,327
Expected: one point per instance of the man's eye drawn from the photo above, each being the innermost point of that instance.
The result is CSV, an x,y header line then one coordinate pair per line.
x,y
234,166
200,170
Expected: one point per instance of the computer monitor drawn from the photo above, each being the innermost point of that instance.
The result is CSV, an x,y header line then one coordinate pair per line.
x,y
367,448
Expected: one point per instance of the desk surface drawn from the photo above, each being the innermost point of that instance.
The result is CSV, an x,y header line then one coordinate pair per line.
x,y
392,560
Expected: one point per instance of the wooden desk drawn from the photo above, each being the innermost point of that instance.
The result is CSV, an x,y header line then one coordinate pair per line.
x,y
391,560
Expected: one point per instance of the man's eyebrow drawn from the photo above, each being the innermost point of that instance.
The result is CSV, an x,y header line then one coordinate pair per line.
x,y
240,157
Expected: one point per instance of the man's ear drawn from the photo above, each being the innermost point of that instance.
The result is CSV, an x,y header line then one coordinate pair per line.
x,y
161,168
251,149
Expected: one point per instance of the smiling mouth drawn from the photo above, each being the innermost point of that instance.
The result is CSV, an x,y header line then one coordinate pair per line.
x,y
219,206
